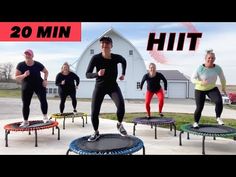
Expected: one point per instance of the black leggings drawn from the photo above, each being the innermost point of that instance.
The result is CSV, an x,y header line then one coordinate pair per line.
x,y
26,95
63,95
97,98
214,95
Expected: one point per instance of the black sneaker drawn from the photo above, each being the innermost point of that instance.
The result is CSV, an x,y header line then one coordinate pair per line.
x,y
121,129
161,115
94,137
148,117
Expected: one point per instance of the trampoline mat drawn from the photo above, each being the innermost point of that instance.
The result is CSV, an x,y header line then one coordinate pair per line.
x,y
66,114
107,142
36,124
210,129
153,120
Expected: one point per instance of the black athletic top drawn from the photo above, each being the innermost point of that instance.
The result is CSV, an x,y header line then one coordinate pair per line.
x,y
153,83
34,79
110,66
69,81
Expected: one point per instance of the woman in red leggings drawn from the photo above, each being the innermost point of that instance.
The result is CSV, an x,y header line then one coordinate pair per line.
x,y
153,79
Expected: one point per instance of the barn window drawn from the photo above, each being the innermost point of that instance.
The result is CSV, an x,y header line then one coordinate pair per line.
x,y
55,90
91,51
138,85
50,90
46,90
131,52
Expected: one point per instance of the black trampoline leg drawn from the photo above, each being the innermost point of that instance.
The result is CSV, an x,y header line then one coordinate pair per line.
x,y
6,137
134,129
86,119
143,150
52,130
155,131
36,138
214,138
58,132
188,136
203,145
151,126
234,138
29,132
180,138
174,129
73,119
64,122
170,127
83,120
67,152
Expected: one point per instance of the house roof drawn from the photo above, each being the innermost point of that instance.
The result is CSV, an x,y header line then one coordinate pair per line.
x,y
173,75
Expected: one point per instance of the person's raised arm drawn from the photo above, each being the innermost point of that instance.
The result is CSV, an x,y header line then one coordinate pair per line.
x,y
89,72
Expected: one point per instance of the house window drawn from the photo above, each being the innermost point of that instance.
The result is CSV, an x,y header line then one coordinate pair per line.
x,y
138,85
91,51
46,90
50,90
131,52
55,90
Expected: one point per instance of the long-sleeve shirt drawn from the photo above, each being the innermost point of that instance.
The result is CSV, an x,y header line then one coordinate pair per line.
x,y
70,80
153,83
110,66
210,75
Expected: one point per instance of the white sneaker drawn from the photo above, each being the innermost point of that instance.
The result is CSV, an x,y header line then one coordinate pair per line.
x,y
46,120
220,121
25,123
195,125
75,111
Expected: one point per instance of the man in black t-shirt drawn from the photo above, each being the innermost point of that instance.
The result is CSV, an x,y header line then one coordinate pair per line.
x,y
28,73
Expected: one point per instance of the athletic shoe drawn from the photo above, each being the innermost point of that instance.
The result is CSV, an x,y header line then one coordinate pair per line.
x,y
195,125
121,129
220,121
25,123
94,137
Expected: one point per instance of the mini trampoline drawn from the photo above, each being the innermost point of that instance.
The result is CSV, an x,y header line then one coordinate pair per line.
x,y
107,144
69,115
154,121
34,125
207,130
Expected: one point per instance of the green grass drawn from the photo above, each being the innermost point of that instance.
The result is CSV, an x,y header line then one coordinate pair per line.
x,y
10,93
180,118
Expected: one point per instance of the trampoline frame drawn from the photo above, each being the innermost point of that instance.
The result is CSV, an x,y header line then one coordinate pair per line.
x,y
35,129
214,135
155,125
114,152
70,115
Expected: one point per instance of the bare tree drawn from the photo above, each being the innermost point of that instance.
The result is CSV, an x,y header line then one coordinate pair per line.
x,y
6,71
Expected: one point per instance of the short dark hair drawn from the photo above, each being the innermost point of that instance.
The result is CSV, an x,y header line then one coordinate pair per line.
x,y
106,38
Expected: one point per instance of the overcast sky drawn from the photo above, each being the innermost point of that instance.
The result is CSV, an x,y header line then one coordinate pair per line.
x,y
221,37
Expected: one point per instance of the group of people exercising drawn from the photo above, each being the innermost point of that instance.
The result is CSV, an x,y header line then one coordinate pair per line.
x,y
28,72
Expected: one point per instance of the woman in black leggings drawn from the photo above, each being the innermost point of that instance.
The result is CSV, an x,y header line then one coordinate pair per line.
x,y
28,72
205,78
65,80
106,75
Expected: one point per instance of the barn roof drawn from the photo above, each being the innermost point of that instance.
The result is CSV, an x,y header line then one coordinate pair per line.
x,y
173,75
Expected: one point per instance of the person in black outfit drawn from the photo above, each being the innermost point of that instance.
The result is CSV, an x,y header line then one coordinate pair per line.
x,y
65,80
28,72
153,79
106,75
